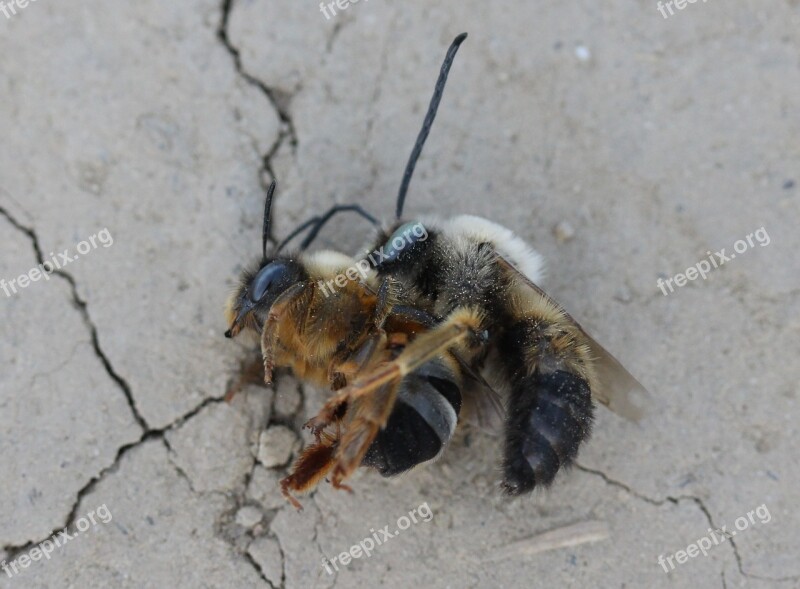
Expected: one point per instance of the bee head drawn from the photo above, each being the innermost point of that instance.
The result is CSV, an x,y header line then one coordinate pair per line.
x,y
406,249
249,305
259,287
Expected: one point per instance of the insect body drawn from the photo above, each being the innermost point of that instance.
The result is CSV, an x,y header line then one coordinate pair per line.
x,y
542,361
330,335
446,322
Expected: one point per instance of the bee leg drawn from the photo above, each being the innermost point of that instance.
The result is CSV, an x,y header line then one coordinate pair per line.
x,y
349,362
269,335
310,468
320,422
356,352
288,485
389,315
374,395
402,425
370,414
411,316
250,374
337,377
269,340
386,296
462,329
339,486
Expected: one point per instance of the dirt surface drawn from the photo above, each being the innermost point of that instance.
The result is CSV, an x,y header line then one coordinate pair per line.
x,y
624,144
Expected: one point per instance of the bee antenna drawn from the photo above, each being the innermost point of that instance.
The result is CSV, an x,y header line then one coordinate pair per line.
x,y
320,223
428,122
267,219
302,227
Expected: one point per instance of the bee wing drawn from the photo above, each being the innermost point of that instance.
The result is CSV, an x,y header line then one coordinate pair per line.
x,y
619,390
482,405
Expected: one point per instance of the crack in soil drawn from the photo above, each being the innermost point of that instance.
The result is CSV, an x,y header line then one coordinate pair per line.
x,y
287,133
249,558
279,102
241,499
676,501
148,433
86,490
83,308
277,99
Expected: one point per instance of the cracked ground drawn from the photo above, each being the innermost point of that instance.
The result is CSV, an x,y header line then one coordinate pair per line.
x,y
622,145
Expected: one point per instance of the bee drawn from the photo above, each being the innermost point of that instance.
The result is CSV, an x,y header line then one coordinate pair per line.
x,y
439,322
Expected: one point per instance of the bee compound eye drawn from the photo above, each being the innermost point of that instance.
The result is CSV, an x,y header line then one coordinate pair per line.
x,y
273,274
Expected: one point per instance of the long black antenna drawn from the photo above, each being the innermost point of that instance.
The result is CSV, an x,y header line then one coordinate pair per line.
x,y
312,235
302,227
428,122
319,221
267,219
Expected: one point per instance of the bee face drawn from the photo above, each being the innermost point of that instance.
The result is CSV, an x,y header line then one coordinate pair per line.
x,y
249,305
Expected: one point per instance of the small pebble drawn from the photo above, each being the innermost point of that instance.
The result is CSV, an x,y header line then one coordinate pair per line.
x,y
275,446
623,295
564,231
582,53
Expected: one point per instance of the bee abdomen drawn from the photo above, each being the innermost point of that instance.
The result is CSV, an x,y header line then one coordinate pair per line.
x,y
552,415
421,423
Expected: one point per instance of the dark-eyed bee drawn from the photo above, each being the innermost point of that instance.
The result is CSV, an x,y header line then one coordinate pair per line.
x,y
438,320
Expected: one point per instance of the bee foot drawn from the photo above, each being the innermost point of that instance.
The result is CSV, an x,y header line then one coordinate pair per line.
x,y
340,473
317,425
285,485
343,487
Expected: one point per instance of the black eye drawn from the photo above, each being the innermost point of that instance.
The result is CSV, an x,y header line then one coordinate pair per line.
x,y
403,240
276,273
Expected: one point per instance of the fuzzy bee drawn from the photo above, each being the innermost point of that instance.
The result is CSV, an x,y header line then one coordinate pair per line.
x,y
439,322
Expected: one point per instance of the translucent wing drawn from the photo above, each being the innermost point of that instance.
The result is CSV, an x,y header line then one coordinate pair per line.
x,y
619,390
482,405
